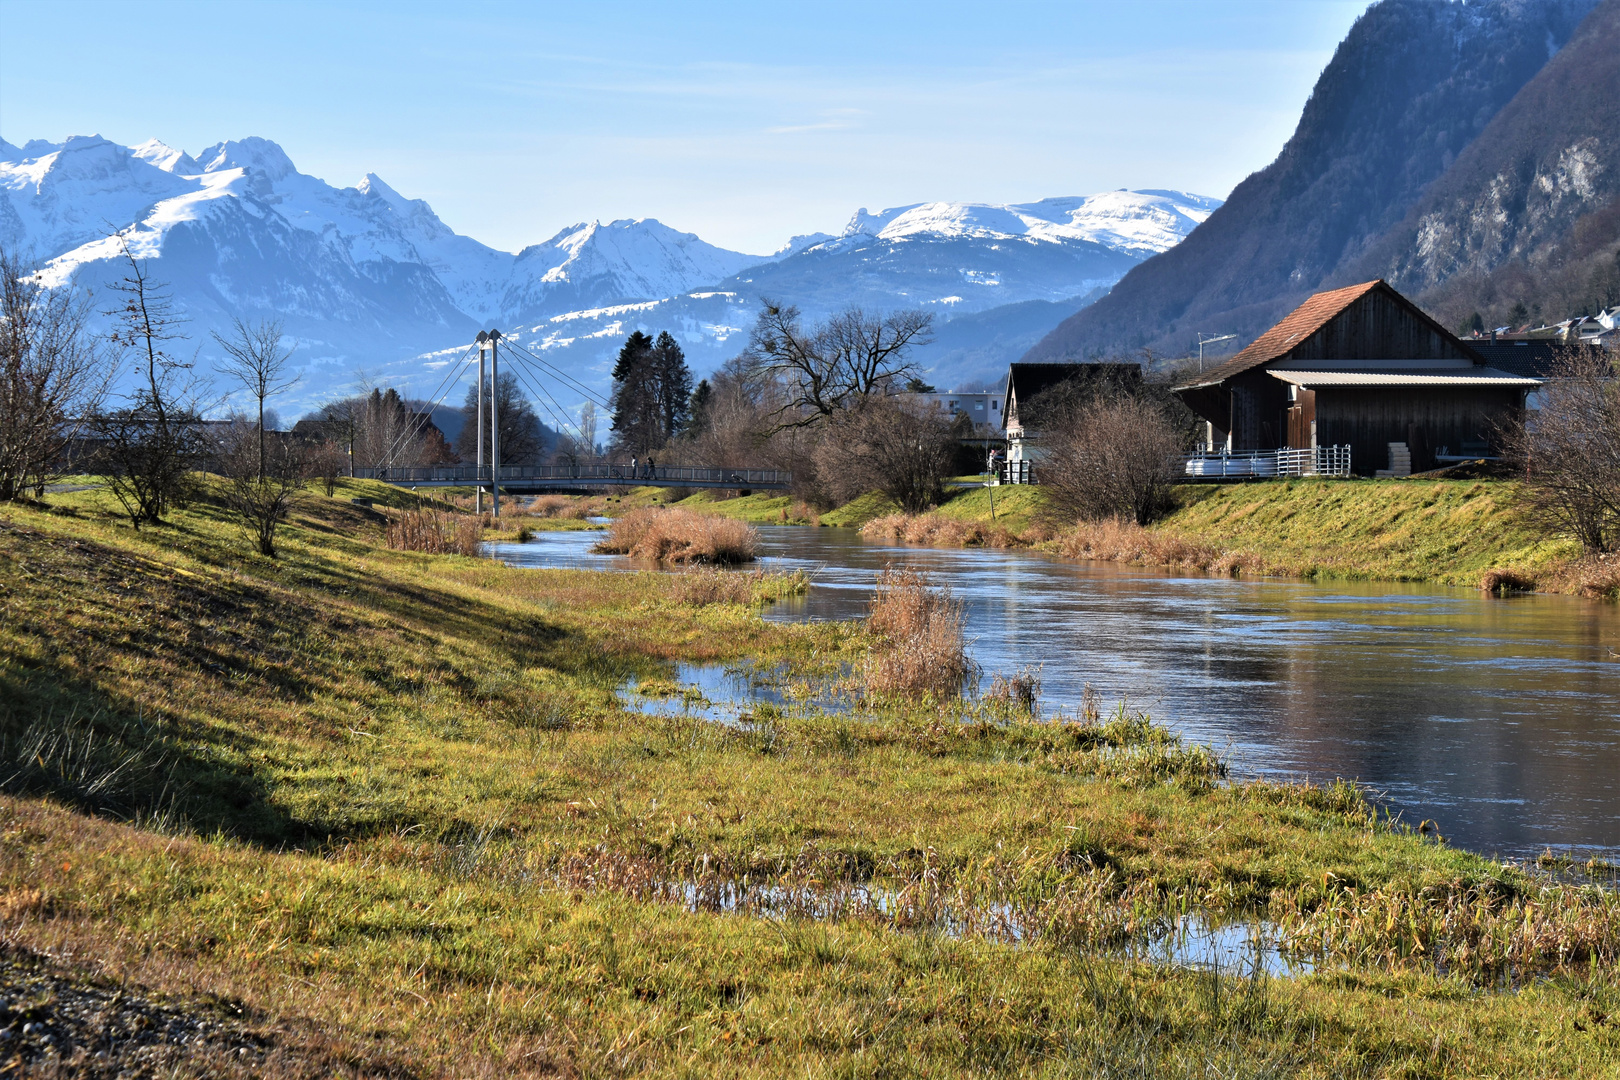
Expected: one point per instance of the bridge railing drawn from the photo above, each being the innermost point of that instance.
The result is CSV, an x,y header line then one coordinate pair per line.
x,y
671,475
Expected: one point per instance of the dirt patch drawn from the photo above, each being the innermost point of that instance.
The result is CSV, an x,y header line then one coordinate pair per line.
x,y
58,1022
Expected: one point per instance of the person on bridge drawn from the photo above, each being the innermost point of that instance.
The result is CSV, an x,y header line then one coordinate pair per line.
x,y
652,468
633,473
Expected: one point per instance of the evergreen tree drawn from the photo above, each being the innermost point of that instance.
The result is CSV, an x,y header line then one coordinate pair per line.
x,y
638,415
674,384
697,410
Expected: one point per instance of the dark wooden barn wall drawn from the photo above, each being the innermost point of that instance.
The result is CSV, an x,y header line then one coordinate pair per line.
x,y
1377,327
1370,418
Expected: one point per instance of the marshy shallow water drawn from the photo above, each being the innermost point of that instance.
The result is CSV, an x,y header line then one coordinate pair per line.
x,y
1498,719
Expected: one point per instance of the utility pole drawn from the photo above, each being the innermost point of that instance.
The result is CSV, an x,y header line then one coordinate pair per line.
x,y
478,432
1202,341
494,426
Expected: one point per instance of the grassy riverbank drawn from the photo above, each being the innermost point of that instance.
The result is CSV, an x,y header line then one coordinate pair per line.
x,y
396,799
1452,532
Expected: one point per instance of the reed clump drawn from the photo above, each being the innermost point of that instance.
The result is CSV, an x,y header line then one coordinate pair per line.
x,y
704,585
1502,581
1125,541
1479,930
568,507
435,532
919,649
1018,693
940,531
678,535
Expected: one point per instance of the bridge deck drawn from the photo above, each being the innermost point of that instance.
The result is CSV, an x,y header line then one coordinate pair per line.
x,y
529,478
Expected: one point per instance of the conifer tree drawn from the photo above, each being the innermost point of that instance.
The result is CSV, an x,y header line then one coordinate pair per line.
x,y
674,384
637,410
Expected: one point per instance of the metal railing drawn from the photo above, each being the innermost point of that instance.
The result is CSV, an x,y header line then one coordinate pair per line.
x,y
668,475
1285,461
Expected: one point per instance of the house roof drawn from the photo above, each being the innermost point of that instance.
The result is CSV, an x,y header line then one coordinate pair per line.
x,y
1024,381
1476,376
1298,325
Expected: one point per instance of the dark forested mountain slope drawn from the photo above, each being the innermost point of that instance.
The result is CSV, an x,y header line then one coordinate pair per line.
x,y
1530,212
1410,87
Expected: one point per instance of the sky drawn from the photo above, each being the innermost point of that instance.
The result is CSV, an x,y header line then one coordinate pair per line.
x,y
744,123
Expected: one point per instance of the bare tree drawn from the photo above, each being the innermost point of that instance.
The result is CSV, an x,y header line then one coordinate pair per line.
x,y
326,460
261,483
256,358
52,375
151,445
835,365
884,445
1569,449
1109,457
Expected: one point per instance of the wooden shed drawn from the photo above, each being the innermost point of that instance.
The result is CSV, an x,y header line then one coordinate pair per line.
x,y
1361,366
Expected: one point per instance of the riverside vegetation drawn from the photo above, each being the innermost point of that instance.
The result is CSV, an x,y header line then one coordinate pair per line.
x,y
391,805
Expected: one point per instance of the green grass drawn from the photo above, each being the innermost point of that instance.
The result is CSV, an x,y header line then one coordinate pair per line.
x,y
397,794
1444,531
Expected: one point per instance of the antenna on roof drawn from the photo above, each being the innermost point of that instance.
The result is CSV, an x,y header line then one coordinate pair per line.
x,y
1202,341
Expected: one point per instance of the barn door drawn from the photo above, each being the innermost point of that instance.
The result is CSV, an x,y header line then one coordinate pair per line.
x,y
1302,420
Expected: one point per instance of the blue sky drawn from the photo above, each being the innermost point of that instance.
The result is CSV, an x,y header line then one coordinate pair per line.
x,y
744,123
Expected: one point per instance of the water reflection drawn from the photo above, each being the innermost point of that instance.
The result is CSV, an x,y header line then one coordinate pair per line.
x,y
1498,719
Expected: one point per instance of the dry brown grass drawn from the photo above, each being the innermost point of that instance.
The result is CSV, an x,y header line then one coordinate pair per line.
x,y
940,531
920,650
570,507
1124,541
435,532
704,585
1505,580
677,535
1595,576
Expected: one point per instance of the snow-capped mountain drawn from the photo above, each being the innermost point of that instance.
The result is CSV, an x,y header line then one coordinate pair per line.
x,y
1146,222
375,285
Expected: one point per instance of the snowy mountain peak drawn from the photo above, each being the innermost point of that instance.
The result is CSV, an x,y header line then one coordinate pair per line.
x,y
166,158
1142,221
253,154
372,184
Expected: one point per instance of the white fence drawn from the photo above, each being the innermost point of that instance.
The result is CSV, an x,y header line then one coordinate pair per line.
x,y
1317,461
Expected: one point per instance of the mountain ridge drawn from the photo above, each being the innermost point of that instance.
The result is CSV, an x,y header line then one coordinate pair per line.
x,y
1410,87
369,279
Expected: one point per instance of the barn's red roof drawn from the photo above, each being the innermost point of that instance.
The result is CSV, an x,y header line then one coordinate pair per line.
x,y
1295,327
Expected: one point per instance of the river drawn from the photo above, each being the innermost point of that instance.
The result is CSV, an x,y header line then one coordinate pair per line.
x,y
1498,719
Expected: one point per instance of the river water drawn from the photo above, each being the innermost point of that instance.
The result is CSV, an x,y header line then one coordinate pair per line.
x,y
1498,719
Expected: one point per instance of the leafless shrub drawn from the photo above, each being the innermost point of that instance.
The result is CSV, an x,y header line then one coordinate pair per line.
x,y
677,535
882,445
436,533
326,461
1110,457
1569,449
919,648
263,479
51,375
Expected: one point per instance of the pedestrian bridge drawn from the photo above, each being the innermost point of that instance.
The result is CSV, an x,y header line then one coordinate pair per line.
x,y
532,479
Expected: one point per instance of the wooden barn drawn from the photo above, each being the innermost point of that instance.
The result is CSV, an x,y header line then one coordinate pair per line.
x,y
1361,366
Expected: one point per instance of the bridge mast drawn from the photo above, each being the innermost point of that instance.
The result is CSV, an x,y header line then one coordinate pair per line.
x,y
494,425
478,432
